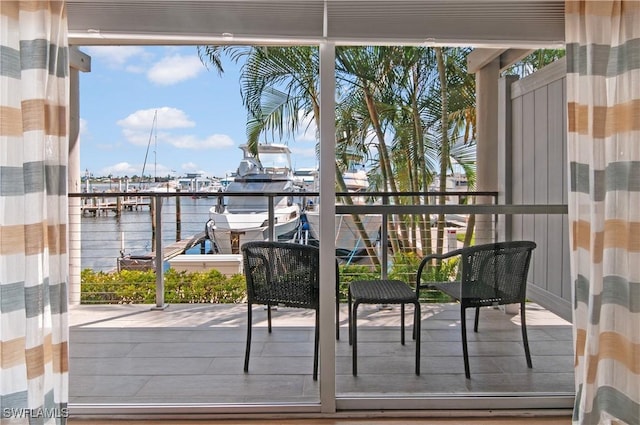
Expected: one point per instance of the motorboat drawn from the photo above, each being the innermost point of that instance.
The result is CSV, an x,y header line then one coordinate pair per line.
x,y
193,183
170,186
241,213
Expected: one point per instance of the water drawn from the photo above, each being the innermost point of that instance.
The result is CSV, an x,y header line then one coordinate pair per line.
x,y
105,236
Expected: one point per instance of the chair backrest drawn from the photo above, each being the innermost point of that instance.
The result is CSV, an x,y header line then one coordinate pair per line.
x,y
282,273
496,273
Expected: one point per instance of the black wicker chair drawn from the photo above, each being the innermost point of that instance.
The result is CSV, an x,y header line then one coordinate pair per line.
x,y
488,275
285,274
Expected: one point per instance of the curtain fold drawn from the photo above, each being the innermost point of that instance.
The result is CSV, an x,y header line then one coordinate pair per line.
x,y
603,96
34,93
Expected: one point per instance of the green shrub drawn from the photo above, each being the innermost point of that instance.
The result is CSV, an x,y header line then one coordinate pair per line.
x,y
353,272
139,287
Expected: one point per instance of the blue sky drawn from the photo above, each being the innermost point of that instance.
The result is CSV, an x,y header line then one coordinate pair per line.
x,y
201,120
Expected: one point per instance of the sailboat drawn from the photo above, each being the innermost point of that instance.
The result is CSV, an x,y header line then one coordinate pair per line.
x,y
153,136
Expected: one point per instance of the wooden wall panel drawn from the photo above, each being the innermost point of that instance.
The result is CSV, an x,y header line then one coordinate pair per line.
x,y
539,176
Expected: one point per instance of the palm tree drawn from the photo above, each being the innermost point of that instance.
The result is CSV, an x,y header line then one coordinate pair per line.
x,y
371,74
536,60
391,98
279,87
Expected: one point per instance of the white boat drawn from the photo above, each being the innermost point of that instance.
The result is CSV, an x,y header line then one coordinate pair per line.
x,y
235,220
190,183
170,186
350,246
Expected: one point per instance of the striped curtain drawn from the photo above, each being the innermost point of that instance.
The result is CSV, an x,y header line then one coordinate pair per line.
x,y
34,93
603,93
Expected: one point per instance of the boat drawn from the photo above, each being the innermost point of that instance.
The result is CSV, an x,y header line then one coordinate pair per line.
x,y
235,220
192,183
170,186
350,246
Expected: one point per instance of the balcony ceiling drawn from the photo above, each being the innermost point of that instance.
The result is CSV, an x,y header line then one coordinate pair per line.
x,y
479,23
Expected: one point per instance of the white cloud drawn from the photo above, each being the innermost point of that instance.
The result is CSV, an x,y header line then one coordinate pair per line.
x,y
121,169
307,131
167,118
215,141
135,69
190,167
174,69
137,130
138,137
303,152
114,56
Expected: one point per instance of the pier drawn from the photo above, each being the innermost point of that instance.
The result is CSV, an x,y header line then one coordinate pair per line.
x,y
99,205
147,261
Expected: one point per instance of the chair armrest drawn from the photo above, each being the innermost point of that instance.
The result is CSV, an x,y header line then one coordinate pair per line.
x,y
426,260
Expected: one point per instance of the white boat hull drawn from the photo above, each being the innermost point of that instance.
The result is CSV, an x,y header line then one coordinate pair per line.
x,y
228,232
348,237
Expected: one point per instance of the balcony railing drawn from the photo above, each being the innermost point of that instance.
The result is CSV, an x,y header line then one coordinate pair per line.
x,y
128,229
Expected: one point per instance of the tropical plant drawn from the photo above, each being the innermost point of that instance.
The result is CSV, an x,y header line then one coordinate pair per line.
x,y
408,110
279,87
535,61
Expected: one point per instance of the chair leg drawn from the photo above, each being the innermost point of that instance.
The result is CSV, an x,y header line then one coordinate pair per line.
x,y
248,347
465,353
402,324
354,333
415,318
337,317
475,322
269,317
416,331
525,340
337,302
350,324
315,346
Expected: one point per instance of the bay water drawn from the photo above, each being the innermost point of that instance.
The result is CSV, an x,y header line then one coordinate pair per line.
x,y
107,236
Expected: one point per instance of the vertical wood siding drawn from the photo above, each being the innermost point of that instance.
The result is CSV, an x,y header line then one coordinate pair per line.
x,y
539,176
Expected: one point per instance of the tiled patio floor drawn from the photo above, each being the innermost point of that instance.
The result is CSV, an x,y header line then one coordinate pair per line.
x,y
193,353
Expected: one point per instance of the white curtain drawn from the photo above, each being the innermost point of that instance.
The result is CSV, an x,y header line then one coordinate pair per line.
x,y
34,92
603,93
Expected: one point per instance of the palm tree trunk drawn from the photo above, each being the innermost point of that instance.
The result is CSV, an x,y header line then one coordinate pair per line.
x,y
385,164
421,184
444,153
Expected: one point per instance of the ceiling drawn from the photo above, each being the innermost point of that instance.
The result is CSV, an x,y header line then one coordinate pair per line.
x,y
479,23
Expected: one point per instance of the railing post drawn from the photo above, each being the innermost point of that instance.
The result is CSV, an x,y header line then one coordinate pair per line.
x,y
496,218
384,240
178,216
272,214
160,305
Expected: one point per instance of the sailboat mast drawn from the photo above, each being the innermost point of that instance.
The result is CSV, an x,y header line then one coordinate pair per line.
x,y
155,153
153,126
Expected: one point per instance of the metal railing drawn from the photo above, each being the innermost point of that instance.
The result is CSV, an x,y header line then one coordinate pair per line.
x,y
116,226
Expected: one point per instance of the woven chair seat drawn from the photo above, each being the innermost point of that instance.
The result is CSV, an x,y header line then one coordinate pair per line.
x,y
382,292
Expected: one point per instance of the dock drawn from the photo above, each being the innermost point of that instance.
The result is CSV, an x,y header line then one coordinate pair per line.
x,y
99,205
147,261
180,247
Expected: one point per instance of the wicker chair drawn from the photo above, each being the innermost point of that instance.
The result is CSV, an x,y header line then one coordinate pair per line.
x,y
285,274
488,275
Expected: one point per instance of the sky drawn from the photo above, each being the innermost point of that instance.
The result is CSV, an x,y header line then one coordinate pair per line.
x,y
200,117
